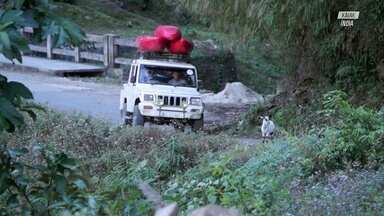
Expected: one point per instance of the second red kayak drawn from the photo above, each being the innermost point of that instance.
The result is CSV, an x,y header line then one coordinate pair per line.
x,y
180,47
150,44
168,32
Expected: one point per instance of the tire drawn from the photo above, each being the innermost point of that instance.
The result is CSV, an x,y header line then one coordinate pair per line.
x,y
137,119
124,114
198,125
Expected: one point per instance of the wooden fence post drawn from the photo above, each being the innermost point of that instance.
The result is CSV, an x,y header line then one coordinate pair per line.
x,y
106,50
49,46
113,50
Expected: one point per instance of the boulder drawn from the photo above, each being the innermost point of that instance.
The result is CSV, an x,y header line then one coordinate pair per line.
x,y
169,210
214,210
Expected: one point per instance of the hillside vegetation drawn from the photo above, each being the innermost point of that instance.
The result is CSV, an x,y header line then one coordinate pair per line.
x,y
229,62
335,168
269,39
307,39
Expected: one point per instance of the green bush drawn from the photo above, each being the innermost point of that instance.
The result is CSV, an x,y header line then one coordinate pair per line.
x,y
355,135
53,184
250,121
184,151
358,192
256,186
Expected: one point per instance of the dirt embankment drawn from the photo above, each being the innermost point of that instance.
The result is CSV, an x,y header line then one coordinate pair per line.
x,y
226,107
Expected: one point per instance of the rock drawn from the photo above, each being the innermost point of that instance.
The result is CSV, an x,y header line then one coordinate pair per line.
x,y
169,210
234,93
207,45
214,210
130,24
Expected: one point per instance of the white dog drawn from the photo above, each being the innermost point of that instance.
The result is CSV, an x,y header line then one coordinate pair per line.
x,y
267,128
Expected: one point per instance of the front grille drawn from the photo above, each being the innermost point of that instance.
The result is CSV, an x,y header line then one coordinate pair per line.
x,y
172,100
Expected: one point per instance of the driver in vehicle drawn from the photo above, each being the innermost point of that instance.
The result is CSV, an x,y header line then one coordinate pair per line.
x,y
147,76
177,79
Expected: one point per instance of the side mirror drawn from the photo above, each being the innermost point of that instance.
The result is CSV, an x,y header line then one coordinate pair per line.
x,y
198,84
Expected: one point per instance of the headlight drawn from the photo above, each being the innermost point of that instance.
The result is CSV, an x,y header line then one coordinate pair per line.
x,y
195,101
160,101
148,97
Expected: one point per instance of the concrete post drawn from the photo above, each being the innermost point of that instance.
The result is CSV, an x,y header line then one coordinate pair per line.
x,y
77,54
49,46
106,50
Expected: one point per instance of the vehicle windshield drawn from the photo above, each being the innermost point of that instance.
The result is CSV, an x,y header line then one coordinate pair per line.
x,y
173,76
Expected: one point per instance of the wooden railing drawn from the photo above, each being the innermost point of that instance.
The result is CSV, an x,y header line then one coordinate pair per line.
x,y
109,44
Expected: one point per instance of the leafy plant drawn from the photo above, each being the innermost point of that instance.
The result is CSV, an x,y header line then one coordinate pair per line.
x,y
12,95
250,121
357,133
55,185
14,15
51,185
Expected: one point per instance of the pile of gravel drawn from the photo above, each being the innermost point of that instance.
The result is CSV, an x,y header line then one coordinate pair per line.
x,y
234,93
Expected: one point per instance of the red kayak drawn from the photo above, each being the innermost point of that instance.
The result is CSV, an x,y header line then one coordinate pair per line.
x,y
150,44
167,32
181,47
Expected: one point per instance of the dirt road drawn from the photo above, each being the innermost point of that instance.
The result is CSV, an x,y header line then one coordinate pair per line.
x,y
95,99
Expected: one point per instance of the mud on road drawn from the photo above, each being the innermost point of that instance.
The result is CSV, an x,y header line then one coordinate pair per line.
x,y
222,115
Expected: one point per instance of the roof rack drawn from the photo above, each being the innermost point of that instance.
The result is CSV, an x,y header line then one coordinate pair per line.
x,y
163,56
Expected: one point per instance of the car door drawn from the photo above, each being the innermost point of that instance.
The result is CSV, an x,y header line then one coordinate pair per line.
x,y
131,87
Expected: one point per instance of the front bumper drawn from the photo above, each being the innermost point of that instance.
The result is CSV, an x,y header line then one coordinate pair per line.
x,y
190,112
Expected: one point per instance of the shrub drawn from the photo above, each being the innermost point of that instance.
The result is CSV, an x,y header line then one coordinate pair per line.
x,y
357,192
184,151
250,121
119,189
356,135
52,185
256,186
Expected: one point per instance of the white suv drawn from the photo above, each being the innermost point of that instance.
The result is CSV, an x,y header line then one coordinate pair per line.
x,y
162,92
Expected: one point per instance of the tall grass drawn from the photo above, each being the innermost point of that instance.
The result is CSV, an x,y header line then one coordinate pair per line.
x,y
305,38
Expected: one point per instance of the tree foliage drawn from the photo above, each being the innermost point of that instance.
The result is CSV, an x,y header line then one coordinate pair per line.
x,y
53,184
306,35
14,15
11,103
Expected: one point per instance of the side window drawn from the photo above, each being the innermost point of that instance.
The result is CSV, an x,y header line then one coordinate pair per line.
x,y
133,74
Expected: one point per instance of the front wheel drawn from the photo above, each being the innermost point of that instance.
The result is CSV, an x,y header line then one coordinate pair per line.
x,y
197,125
125,120
137,118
